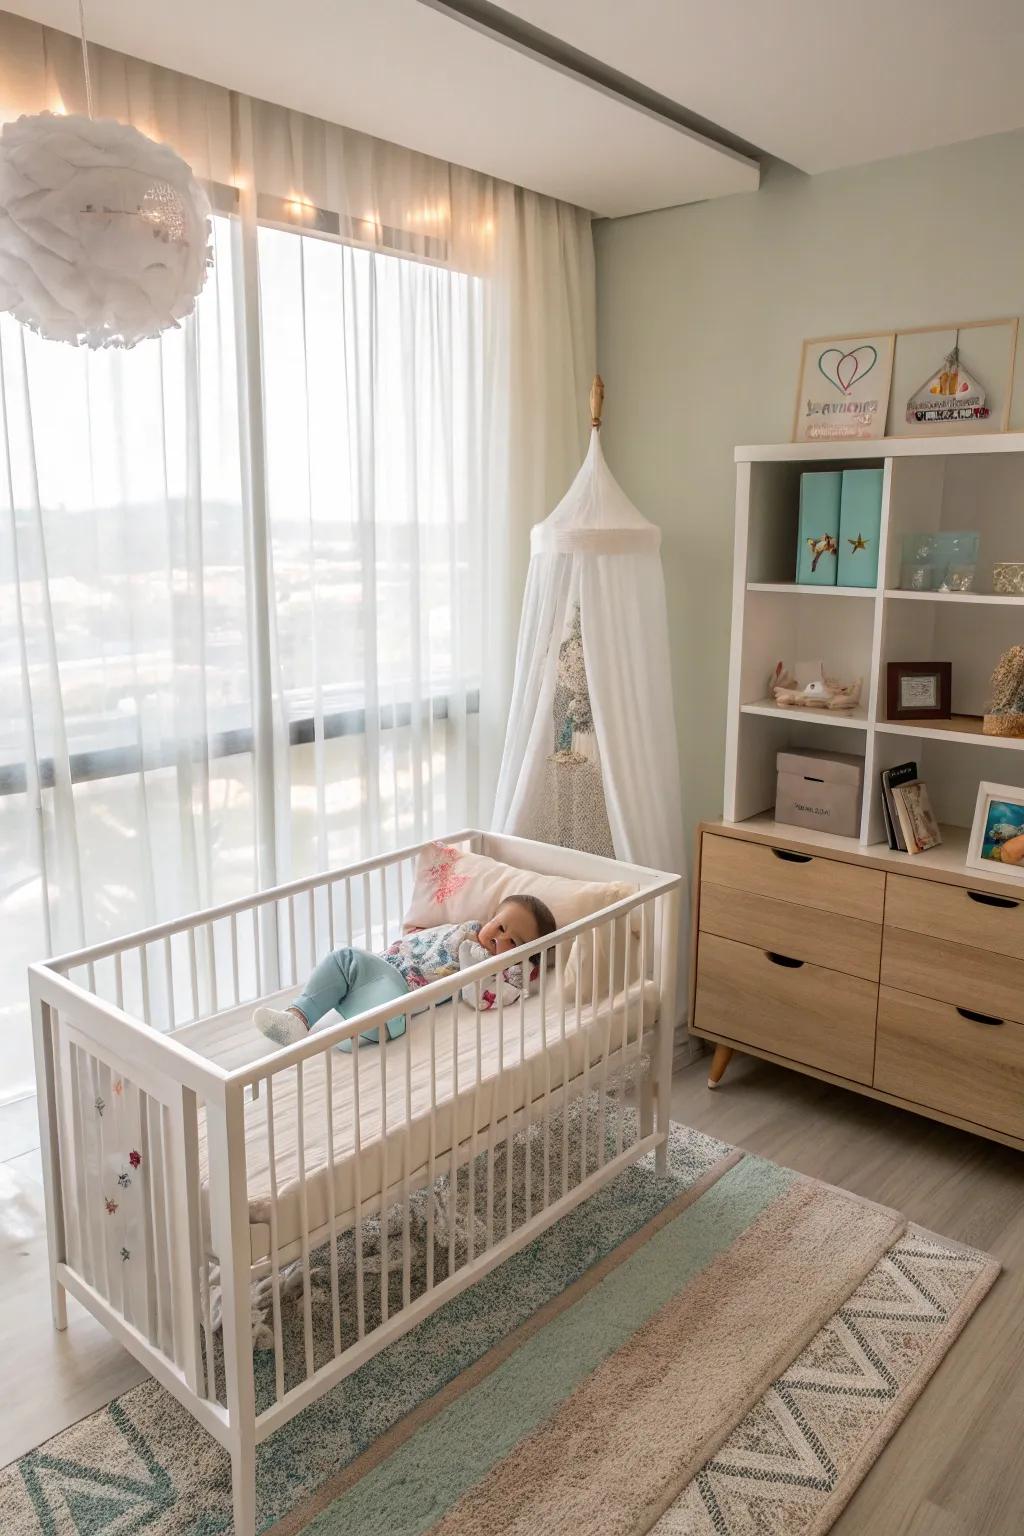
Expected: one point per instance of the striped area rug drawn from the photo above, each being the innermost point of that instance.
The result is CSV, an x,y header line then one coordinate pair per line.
x,y
716,1353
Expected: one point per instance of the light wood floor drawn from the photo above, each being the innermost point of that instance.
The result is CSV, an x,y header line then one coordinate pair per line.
x,y
953,1469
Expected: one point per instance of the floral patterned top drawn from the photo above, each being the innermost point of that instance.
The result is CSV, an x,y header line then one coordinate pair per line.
x,y
429,953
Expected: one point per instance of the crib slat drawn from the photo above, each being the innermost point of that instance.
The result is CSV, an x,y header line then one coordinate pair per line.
x,y
507,1092
473,1130
332,1219
183,1210
348,913
586,1057
119,979
312,928
564,1049
330,914
547,1076
432,1147
152,1329
606,1045
147,1013
307,1286
154,1156
83,1207
169,982
275,1253
382,1034
293,956
527,1073
406,1153
357,1163
385,935
193,968
453,1169
211,965
235,985
257,951
367,913
623,1054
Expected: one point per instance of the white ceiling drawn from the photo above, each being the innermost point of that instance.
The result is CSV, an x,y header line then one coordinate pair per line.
x,y
819,83
397,69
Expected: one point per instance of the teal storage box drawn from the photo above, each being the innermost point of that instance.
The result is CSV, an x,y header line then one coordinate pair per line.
x,y
820,493
860,522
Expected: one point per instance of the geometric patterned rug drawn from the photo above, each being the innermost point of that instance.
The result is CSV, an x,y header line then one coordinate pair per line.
x,y
795,1459
868,1319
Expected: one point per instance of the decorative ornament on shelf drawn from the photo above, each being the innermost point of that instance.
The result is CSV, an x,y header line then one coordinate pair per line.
x,y
950,394
819,693
1005,715
104,234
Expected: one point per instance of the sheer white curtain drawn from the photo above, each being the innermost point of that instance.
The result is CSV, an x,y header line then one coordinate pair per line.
x,y
259,578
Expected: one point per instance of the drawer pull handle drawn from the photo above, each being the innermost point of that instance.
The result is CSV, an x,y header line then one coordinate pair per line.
x,y
992,901
786,960
791,857
977,1018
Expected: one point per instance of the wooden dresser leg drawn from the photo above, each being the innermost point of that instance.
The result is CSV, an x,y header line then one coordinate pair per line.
x,y
719,1061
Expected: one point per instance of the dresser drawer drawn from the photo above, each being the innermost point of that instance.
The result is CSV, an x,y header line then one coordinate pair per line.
x,y
846,944
953,973
955,913
790,874
801,1011
930,1054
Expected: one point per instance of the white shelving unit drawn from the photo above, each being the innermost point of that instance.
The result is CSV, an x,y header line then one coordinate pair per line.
x,y
958,483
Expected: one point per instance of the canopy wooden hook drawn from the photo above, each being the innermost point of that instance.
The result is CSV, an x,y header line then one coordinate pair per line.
x,y
596,400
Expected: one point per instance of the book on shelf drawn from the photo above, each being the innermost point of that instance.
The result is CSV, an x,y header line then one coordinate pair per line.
x,y
917,821
903,773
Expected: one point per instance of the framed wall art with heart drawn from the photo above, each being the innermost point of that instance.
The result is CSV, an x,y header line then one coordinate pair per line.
x,y
844,388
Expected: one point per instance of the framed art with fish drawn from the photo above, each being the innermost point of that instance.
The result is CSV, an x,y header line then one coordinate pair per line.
x,y
844,388
997,835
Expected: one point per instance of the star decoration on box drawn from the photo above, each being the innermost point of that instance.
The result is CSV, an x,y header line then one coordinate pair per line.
x,y
858,543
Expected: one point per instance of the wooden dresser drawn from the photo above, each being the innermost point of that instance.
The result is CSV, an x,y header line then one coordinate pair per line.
x,y
869,969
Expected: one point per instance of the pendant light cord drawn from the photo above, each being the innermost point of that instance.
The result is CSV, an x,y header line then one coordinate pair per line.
x,y
85,57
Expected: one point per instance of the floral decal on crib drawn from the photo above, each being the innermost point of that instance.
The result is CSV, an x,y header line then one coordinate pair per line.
x,y
441,874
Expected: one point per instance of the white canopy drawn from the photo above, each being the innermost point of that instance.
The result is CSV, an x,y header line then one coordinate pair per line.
x,y
591,756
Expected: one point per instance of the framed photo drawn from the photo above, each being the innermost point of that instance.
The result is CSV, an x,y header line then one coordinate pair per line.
x,y
997,836
843,394
918,690
954,378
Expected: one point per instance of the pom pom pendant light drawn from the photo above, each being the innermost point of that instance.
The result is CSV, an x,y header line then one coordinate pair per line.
x,y
104,234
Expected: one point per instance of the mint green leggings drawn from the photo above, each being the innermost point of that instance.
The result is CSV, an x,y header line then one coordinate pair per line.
x,y
351,981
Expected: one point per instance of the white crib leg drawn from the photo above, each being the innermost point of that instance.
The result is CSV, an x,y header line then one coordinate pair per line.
x,y
669,937
46,1103
243,1485
226,1141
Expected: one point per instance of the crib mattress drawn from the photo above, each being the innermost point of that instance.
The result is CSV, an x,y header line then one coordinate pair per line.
x,y
518,1069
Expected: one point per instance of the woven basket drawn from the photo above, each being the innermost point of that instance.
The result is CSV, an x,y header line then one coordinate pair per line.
x,y
1003,725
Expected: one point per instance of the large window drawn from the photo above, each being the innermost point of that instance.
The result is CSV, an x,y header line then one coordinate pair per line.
x,y
221,665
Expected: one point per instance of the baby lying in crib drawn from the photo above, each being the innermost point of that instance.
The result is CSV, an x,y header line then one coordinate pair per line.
x,y
351,981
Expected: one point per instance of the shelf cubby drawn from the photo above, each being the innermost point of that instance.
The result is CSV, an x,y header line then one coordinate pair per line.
x,y
972,483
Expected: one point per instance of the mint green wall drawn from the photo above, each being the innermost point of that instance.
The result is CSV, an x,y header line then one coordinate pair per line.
x,y
701,313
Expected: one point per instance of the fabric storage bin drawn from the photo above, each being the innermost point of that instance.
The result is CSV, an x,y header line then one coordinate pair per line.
x,y
819,789
818,538
860,522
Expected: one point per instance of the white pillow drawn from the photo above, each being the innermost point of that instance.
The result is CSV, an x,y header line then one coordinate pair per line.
x,y
455,886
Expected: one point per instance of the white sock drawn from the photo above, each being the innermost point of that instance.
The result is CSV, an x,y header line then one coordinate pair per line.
x,y
279,1025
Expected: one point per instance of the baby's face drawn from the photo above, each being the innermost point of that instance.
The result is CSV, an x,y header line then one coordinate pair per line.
x,y
510,926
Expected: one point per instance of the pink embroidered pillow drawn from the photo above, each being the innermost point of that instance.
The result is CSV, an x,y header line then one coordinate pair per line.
x,y
455,886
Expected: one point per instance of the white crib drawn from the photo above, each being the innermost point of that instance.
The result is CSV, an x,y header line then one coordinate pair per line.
x,y
182,1155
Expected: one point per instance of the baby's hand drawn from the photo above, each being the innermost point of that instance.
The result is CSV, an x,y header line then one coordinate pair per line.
x,y
471,953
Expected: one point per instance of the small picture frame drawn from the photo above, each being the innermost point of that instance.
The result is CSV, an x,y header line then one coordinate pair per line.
x,y
997,834
918,690
843,393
